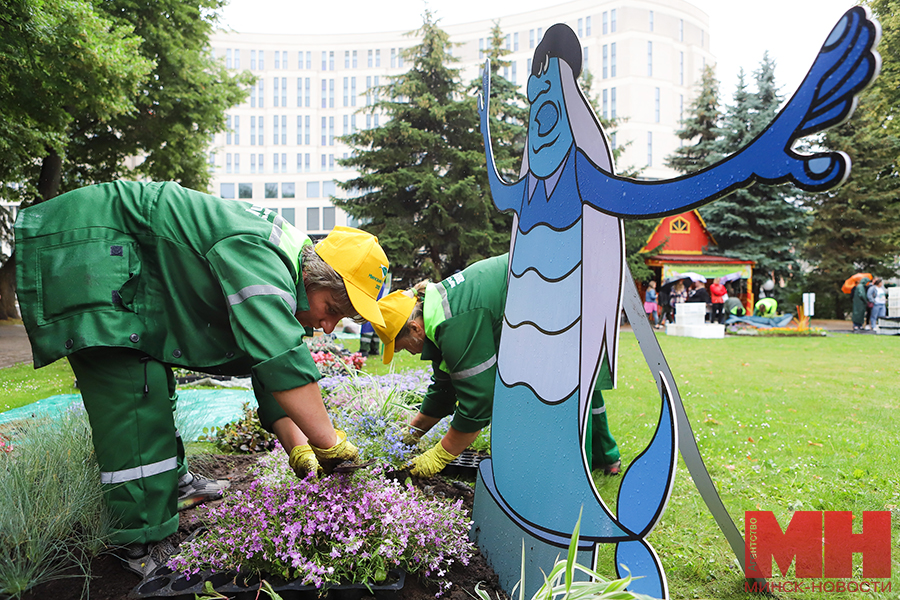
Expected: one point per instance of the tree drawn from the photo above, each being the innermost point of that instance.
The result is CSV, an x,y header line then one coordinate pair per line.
x,y
422,183
179,109
762,223
700,130
58,58
886,89
856,227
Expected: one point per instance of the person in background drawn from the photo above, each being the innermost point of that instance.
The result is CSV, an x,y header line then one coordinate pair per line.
x,y
766,307
456,324
698,293
676,297
860,302
877,297
717,296
651,307
128,280
733,305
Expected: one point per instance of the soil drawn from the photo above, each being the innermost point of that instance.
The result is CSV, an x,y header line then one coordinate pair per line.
x,y
109,581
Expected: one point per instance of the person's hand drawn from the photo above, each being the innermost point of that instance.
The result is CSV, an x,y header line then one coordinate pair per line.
x,y
413,435
431,462
342,451
303,461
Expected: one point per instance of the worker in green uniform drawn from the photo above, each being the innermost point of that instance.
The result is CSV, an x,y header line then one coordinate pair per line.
x,y
766,307
456,324
129,279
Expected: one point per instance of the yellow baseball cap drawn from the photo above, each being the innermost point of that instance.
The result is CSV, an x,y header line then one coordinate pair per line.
x,y
361,263
395,308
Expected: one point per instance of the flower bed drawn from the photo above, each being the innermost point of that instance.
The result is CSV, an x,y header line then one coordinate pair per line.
x,y
341,529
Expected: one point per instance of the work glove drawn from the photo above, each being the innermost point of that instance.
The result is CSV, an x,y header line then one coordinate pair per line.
x,y
431,462
342,451
413,435
303,461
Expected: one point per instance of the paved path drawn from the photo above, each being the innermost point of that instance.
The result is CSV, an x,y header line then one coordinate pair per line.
x,y
14,345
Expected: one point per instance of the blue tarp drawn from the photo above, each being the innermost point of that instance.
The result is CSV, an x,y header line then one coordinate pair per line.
x,y
196,409
761,322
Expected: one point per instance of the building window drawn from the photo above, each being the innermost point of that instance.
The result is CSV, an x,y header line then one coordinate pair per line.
x,y
253,163
580,27
237,130
275,130
681,68
275,162
260,93
245,190
612,141
253,130
378,58
284,130
612,103
346,59
324,60
271,189
649,59
284,162
260,133
284,91
651,20
540,34
228,166
530,38
262,62
331,60
287,190
229,61
679,225
514,78
300,60
259,160
307,91
605,29
226,190
649,148
370,62
587,25
353,91
228,130
275,91
656,105
605,104
603,70
306,163
237,59
680,107
253,96
393,58
516,42
585,61
681,30
312,218
480,48
331,93
328,188
324,93
253,60
612,59
299,162
288,214
612,21
346,125
352,123
312,189
277,59
331,131
354,59
327,218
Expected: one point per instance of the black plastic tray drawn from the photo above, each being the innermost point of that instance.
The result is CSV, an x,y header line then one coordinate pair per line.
x,y
464,466
164,583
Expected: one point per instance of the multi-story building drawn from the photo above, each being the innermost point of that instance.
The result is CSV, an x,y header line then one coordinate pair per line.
x,y
281,148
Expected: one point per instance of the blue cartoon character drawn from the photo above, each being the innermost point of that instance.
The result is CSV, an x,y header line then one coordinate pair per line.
x,y
565,284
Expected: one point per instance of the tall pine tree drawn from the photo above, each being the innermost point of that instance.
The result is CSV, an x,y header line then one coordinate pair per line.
x,y
422,183
856,227
699,130
762,223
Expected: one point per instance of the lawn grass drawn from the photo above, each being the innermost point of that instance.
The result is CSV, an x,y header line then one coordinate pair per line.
x,y
782,423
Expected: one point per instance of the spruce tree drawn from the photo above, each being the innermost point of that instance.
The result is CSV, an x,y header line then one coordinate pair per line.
x,y
855,227
422,183
699,130
762,223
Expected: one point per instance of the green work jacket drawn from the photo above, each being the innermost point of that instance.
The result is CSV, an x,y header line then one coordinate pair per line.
x,y
463,317
192,280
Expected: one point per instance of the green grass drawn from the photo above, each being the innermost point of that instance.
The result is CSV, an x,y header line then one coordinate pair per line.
x,y
21,384
783,424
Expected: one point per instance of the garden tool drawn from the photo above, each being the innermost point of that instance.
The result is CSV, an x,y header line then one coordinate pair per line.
x,y
431,462
342,451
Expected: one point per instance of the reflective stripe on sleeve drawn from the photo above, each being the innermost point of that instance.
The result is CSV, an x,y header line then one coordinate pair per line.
x,y
598,411
140,472
466,373
262,290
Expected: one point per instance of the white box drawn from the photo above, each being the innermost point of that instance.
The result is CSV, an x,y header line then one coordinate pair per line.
x,y
690,313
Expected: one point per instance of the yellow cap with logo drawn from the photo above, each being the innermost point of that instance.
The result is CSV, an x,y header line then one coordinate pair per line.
x,y
361,263
395,308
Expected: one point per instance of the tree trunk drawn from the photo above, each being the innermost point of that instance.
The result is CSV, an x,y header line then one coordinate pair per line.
x,y
8,289
51,175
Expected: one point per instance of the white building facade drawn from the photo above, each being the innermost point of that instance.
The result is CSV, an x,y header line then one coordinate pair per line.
x,y
281,148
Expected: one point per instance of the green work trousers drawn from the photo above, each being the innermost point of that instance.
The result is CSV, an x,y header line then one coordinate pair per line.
x,y
130,400
600,446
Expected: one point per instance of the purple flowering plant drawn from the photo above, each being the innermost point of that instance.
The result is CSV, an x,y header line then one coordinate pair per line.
x,y
347,528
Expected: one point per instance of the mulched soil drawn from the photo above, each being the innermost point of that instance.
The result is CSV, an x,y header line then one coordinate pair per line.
x,y
110,581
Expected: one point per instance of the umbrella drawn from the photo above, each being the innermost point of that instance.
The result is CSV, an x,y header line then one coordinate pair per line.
x,y
668,282
693,276
730,277
848,286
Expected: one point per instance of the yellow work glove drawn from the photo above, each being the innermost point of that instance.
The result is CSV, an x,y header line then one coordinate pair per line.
x,y
413,435
431,462
303,461
342,451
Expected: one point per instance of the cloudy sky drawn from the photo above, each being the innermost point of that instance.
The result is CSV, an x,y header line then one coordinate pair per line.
x,y
791,30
